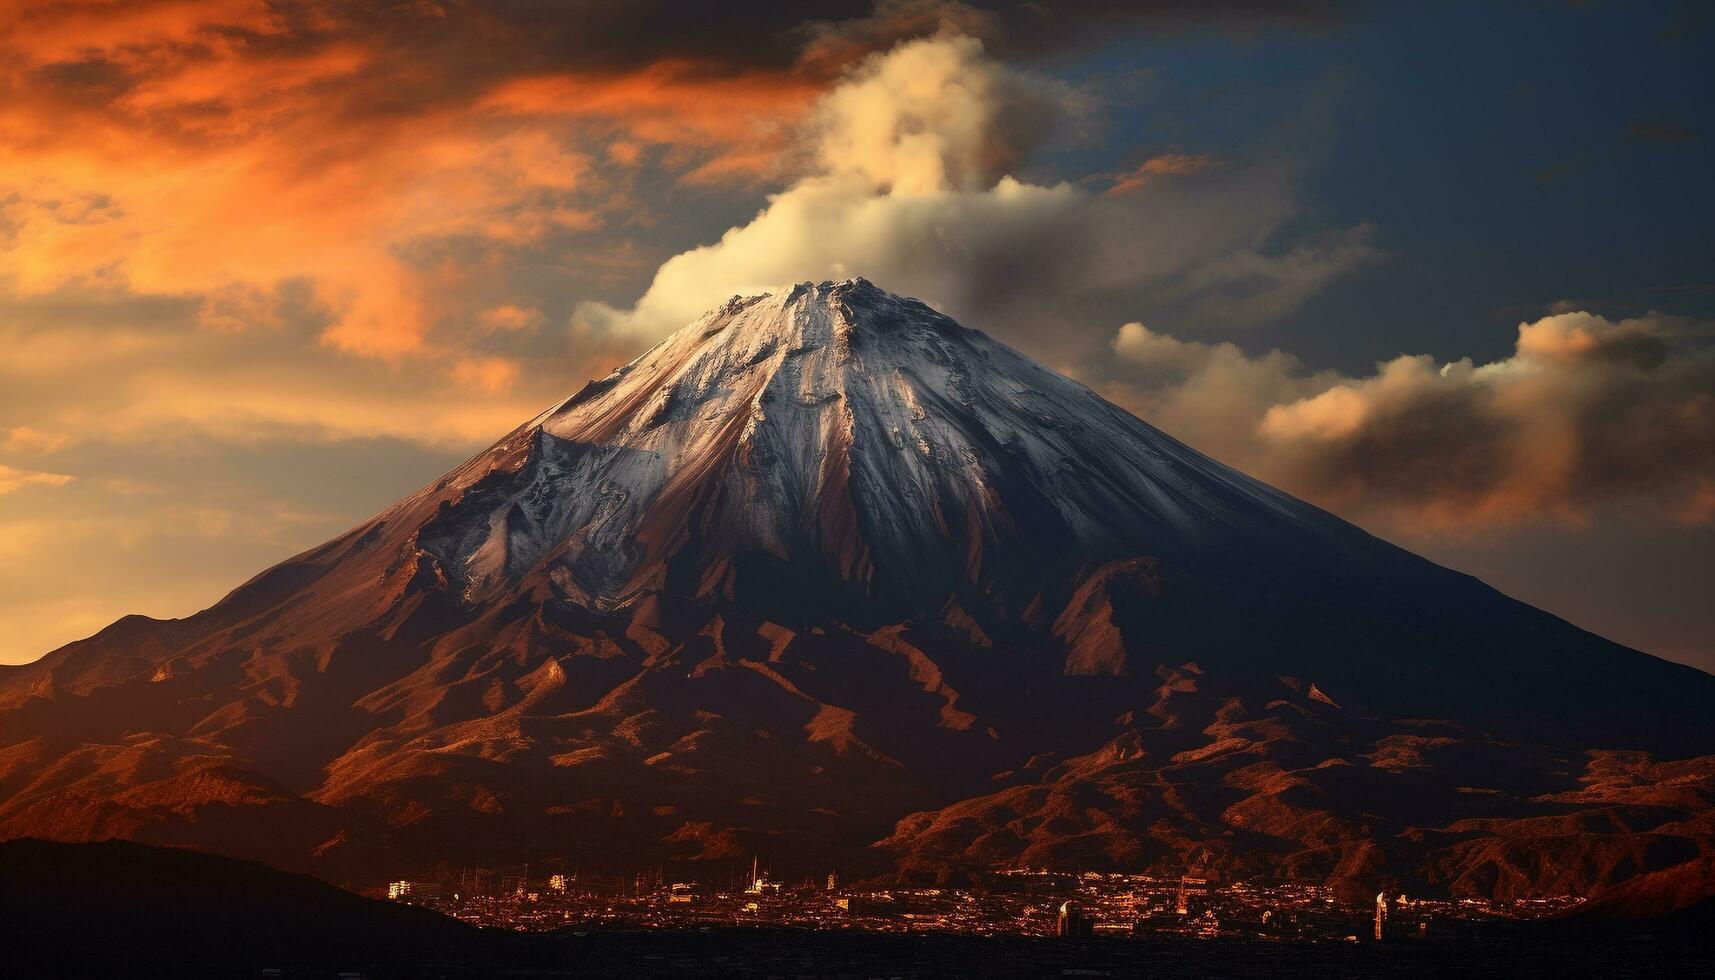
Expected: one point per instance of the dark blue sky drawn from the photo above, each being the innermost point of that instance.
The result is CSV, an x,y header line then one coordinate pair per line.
x,y
1507,155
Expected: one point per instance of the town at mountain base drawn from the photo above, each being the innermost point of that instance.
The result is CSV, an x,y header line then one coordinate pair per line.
x,y
830,577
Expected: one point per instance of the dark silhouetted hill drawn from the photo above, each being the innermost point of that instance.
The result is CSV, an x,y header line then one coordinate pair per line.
x,y
115,907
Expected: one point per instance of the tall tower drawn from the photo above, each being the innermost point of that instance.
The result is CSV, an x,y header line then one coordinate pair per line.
x,y
1381,913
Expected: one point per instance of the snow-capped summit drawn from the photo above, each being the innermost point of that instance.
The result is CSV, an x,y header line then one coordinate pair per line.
x,y
851,434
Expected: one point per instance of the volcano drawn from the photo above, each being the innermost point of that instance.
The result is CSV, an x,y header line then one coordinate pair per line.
x,y
830,577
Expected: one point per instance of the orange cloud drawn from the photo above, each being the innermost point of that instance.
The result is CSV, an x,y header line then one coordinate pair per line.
x,y
13,480
741,122
1175,164
510,319
489,375
69,28
25,440
219,149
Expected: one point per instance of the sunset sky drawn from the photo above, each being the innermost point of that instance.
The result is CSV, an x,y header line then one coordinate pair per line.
x,y
1445,269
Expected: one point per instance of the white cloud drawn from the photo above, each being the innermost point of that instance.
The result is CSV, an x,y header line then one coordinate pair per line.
x,y
914,185
934,115
1587,412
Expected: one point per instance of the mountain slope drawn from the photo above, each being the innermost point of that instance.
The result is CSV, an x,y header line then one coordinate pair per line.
x,y
822,560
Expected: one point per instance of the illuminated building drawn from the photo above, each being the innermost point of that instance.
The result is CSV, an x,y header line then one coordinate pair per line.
x,y
1188,886
1073,923
759,883
405,891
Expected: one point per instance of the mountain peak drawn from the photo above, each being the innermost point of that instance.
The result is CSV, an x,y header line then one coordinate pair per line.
x,y
849,306
835,433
